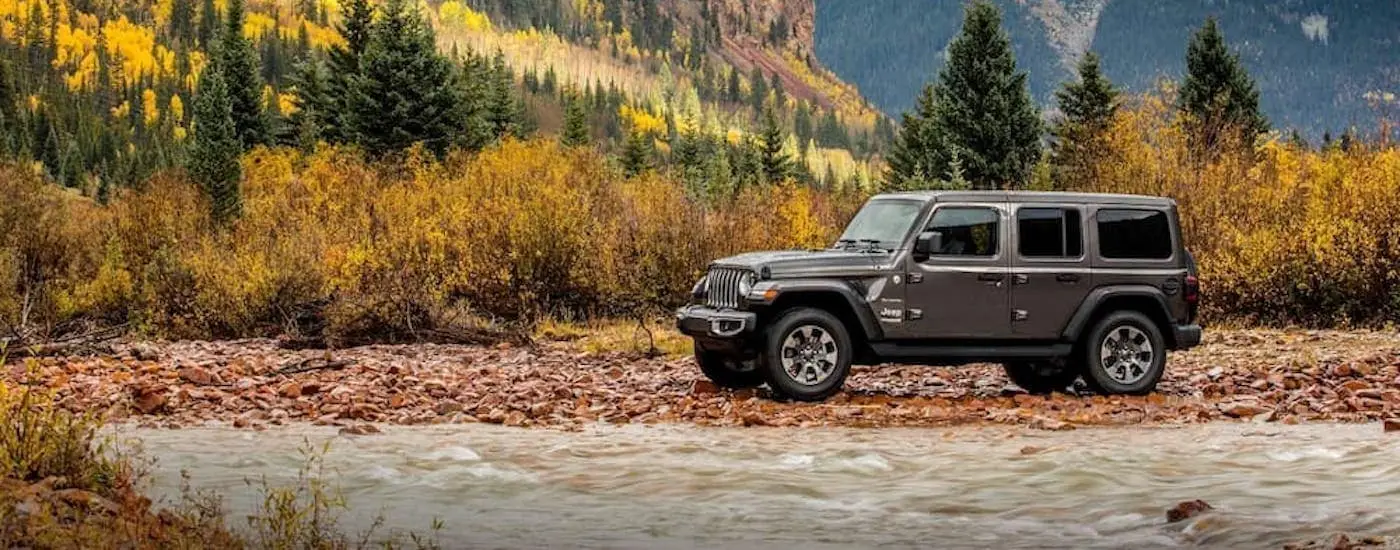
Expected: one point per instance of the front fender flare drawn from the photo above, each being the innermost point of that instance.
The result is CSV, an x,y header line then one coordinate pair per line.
x,y
864,315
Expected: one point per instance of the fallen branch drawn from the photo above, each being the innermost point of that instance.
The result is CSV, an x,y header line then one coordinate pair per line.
x,y
88,343
305,365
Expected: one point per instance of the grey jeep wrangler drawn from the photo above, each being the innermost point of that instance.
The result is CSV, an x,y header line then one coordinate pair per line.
x,y
1052,285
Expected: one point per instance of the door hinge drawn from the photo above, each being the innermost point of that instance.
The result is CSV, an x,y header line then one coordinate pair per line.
x,y
916,278
1019,315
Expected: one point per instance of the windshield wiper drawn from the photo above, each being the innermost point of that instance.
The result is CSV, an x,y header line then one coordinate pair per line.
x,y
874,245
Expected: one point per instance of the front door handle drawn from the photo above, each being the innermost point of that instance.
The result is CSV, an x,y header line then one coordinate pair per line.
x,y
1067,278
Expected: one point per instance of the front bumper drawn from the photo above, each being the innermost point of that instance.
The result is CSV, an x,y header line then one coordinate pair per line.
x,y
1187,336
709,323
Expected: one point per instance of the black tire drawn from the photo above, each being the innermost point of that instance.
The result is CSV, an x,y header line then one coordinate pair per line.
x,y
1040,377
820,374
728,372
1136,377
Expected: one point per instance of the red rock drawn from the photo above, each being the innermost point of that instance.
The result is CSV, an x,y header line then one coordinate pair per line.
x,y
1186,510
310,388
87,500
200,376
1242,409
1391,425
359,429
1043,423
292,390
447,407
397,401
754,419
151,402
704,387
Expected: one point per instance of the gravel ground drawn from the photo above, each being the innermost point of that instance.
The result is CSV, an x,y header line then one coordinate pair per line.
x,y
1251,375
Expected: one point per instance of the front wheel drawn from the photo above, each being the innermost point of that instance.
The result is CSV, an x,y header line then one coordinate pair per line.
x,y
726,371
1124,354
807,355
1040,377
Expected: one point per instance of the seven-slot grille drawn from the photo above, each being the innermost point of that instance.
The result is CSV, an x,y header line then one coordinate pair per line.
x,y
724,286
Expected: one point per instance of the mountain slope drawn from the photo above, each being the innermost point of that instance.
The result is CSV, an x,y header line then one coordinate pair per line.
x,y
1314,60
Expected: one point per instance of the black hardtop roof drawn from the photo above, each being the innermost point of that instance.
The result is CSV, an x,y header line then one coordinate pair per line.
x,y
1032,197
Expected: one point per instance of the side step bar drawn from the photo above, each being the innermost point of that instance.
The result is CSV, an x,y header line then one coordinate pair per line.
x,y
954,354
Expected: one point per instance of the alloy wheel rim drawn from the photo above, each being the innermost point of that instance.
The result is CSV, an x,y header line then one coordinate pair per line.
x,y
809,355
1126,354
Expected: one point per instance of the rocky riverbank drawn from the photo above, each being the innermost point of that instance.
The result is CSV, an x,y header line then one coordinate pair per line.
x,y
1256,375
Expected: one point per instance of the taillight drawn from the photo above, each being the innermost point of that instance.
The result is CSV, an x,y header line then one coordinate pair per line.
x,y
1193,289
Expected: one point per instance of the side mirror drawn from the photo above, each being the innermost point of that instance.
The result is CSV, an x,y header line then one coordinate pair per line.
x,y
926,244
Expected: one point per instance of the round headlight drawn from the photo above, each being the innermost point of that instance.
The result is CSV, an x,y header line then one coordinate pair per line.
x,y
746,284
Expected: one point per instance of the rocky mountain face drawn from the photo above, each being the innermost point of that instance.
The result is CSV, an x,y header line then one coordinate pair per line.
x,y
1319,64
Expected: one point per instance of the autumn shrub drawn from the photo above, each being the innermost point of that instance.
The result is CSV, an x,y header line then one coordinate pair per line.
x,y
1282,235
49,245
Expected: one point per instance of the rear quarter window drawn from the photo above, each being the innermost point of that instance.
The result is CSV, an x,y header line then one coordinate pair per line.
x,y
1134,234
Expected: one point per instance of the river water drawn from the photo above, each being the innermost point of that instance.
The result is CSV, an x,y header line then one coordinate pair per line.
x,y
684,487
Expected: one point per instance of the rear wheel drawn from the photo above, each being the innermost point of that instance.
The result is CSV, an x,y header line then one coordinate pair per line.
x,y
726,371
1040,377
1124,353
807,355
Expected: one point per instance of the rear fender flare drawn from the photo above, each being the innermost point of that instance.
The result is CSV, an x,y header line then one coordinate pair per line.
x,y
1079,322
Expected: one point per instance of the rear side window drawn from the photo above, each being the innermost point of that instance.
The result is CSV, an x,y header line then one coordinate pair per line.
x,y
1134,234
1049,233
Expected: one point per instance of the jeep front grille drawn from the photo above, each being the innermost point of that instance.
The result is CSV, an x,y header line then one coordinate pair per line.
x,y
724,287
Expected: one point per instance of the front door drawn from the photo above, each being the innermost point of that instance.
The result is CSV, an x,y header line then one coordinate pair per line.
x,y
962,291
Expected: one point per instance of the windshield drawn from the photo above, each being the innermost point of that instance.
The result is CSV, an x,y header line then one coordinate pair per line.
x,y
883,222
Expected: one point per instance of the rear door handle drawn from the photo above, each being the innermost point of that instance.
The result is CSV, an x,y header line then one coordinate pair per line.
x,y
1067,278
1021,278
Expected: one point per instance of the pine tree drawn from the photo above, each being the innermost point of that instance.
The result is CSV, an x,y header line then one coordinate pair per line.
x,y
214,155
406,92
637,153
758,89
504,115
343,66
778,92
576,133
182,23
914,155
984,109
475,83
10,123
777,164
238,65
1087,108
1218,93
208,25
733,92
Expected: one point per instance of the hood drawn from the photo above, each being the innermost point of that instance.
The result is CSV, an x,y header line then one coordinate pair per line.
x,y
799,263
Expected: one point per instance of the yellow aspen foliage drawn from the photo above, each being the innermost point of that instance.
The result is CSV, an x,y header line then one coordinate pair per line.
x,y
453,12
256,24
121,111
177,108
150,112
287,103
642,120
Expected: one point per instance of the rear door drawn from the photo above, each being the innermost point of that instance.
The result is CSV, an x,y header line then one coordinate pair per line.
x,y
1140,245
961,291
1050,274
